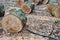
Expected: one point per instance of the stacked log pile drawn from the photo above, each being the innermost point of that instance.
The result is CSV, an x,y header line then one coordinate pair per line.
x,y
31,22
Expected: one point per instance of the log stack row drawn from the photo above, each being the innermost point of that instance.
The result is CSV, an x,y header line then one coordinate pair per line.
x,y
15,19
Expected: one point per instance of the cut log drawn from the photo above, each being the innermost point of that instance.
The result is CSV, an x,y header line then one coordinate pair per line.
x,y
14,21
51,7
11,23
54,9
57,12
18,12
28,7
20,2
45,2
41,25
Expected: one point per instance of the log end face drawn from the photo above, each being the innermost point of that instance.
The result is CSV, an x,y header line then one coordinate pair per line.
x,y
11,23
57,12
26,8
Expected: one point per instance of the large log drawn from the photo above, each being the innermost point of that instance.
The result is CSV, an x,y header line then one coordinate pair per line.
x,y
14,21
41,25
11,23
18,12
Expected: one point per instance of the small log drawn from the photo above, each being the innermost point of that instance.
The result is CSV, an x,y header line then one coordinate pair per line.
x,y
45,1
28,7
51,7
21,2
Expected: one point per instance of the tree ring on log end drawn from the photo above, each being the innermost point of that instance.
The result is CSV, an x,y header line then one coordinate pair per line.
x,y
11,23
